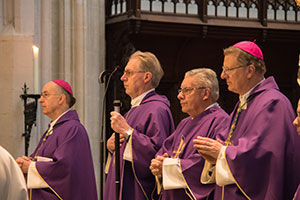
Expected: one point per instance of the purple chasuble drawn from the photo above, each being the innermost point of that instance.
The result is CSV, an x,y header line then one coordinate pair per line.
x,y
70,175
206,124
152,122
264,158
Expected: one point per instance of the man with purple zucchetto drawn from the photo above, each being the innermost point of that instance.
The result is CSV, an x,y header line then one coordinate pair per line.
x,y
296,123
61,167
257,157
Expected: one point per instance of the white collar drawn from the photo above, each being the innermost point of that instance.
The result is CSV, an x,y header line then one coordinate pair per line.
x,y
214,104
137,100
54,121
243,98
208,107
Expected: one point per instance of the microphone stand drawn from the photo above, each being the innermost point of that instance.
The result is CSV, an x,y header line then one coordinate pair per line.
x,y
101,78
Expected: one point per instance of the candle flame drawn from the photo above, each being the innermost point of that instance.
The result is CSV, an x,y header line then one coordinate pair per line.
x,y
35,49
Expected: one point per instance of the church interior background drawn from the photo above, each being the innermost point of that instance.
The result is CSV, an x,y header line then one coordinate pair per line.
x,y
79,39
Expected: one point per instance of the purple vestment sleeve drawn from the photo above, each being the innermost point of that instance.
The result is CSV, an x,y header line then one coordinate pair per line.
x,y
264,158
71,173
180,145
152,122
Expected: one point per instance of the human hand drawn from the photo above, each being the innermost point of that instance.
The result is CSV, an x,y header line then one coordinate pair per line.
x,y
118,123
208,148
24,163
156,165
110,144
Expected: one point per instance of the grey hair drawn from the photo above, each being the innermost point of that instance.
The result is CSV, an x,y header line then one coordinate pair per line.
x,y
150,63
205,77
69,98
246,59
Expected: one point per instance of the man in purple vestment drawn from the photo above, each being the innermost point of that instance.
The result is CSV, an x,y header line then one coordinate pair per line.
x,y
61,167
257,156
178,165
297,124
142,130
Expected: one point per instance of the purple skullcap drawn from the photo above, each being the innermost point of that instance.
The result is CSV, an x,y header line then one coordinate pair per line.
x,y
64,85
251,48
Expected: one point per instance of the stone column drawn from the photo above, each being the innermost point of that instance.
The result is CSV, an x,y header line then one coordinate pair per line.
x,y
89,56
16,68
73,49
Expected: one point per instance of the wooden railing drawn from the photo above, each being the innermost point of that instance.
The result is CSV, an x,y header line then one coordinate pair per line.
x,y
263,11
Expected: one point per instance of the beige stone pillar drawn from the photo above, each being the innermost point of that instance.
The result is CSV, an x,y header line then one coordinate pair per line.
x,y
16,68
16,40
73,49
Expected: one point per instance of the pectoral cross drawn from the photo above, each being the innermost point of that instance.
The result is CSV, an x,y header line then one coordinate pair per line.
x,y
180,148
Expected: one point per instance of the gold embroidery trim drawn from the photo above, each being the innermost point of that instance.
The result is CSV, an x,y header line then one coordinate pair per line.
x,y
133,170
244,193
47,184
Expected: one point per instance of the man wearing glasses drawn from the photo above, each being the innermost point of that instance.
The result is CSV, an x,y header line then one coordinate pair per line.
x,y
257,157
142,129
61,167
296,123
177,165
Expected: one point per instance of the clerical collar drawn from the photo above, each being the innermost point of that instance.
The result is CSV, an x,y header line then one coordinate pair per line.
x,y
243,98
212,105
137,100
54,121
208,107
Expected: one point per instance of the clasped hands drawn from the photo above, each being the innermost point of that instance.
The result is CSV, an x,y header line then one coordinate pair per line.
x,y
156,165
208,148
24,163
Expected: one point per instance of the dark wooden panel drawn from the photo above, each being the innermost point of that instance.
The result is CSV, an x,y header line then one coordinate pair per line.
x,y
182,42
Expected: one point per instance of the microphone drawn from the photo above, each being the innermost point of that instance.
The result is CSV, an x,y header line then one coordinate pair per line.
x,y
109,72
117,105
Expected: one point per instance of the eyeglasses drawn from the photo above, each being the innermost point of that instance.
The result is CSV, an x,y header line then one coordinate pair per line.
x,y
130,73
187,91
46,95
227,69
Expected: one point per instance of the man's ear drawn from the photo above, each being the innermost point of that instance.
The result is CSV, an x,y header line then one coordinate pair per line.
x,y
251,71
62,99
147,77
206,93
